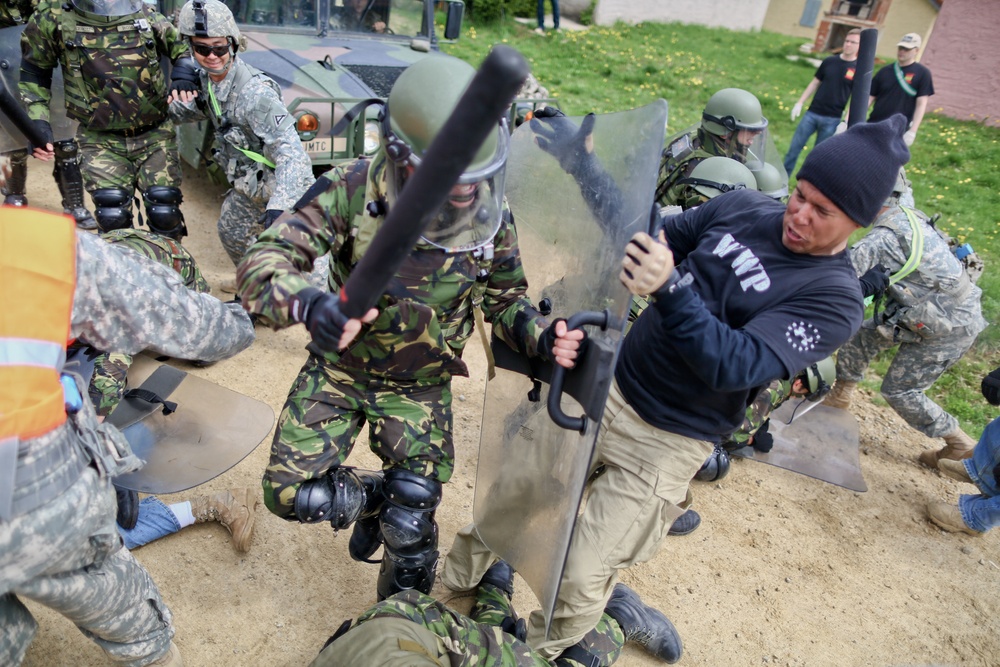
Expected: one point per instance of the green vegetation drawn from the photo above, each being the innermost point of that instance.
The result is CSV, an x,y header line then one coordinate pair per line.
x,y
606,69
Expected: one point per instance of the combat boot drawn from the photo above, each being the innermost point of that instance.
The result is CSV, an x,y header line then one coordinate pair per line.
x,y
234,509
954,469
644,625
840,396
958,446
685,524
172,658
949,517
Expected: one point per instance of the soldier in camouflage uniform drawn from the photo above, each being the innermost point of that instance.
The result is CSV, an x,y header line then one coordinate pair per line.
x,y
813,383
256,143
109,52
397,376
67,166
731,121
58,534
413,629
142,522
931,311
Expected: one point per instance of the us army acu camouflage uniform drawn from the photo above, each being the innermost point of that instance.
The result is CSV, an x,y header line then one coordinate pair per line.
x,y
115,87
111,368
680,157
933,315
250,116
396,375
414,629
64,551
758,412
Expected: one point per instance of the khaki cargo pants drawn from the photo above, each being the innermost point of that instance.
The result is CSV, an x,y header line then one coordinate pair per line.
x,y
628,511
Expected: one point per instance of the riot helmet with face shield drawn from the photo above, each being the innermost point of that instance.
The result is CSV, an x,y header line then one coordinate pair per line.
x,y
734,118
420,102
107,10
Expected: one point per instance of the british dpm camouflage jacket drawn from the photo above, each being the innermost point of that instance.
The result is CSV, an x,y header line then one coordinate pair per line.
x,y
112,72
426,314
16,12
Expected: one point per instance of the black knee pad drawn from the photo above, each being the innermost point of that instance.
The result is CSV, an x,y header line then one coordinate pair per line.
x,y
341,496
407,517
163,210
409,533
112,208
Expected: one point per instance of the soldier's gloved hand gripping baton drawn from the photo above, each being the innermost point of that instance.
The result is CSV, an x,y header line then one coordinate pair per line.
x,y
485,101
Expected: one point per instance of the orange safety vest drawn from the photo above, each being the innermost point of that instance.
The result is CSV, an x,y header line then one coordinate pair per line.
x,y
37,281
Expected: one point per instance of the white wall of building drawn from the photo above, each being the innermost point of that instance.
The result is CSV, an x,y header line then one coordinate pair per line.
x,y
732,14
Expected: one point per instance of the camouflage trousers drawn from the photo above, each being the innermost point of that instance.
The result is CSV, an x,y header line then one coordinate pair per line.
x,y
67,555
239,223
414,629
134,163
914,369
409,427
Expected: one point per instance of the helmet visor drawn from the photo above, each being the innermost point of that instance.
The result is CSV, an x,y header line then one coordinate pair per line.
x,y
108,8
471,215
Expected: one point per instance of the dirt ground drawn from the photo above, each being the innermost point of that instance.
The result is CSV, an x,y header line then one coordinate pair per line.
x,y
785,570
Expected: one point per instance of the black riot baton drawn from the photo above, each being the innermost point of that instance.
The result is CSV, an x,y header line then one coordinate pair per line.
x,y
862,86
485,101
12,108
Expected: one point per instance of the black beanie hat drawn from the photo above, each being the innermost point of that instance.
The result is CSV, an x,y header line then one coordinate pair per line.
x,y
857,169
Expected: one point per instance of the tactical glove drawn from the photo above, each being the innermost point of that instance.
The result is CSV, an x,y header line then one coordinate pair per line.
x,y
991,387
320,311
648,264
763,441
547,342
560,137
44,129
184,75
875,281
796,110
270,215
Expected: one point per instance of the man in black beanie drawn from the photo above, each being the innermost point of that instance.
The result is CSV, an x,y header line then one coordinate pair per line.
x,y
743,290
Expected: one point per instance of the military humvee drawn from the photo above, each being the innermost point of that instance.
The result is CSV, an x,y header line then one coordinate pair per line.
x,y
326,61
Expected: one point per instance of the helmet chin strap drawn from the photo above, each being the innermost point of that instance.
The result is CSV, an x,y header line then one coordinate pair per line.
x,y
229,64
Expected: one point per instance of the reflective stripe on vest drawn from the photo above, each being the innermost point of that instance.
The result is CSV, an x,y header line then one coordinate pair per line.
x,y
38,274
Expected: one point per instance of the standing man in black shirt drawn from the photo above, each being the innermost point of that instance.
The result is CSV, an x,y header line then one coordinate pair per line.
x,y
832,88
903,87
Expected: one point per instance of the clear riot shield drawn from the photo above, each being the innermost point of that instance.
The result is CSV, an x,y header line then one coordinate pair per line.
x,y
532,472
814,440
10,70
208,430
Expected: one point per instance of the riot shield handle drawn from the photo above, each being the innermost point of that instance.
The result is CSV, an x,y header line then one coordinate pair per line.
x,y
559,417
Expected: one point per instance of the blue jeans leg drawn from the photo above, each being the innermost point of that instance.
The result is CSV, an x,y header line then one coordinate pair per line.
x,y
827,126
555,13
979,512
984,466
806,128
155,521
541,13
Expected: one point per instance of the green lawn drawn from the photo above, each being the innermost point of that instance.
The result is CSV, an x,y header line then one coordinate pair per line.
x,y
606,69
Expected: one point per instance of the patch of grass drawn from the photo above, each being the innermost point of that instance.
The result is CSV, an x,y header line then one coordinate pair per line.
x,y
605,69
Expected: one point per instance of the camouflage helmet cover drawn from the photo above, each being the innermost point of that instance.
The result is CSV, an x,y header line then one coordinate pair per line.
x,y
732,109
715,175
209,18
